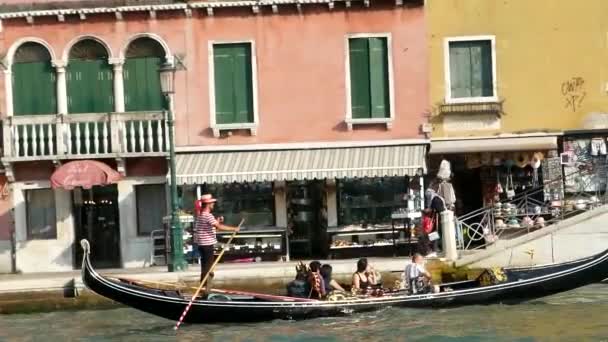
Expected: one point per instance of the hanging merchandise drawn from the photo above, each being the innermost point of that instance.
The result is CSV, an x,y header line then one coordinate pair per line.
x,y
598,147
509,162
498,158
445,170
523,159
446,191
535,162
499,189
510,187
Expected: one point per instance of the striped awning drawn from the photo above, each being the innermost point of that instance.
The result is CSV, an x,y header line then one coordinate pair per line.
x,y
276,165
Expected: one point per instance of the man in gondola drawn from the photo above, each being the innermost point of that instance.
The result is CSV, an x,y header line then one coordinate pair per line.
x,y
204,234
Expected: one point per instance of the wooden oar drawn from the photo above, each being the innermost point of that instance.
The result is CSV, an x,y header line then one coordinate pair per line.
x,y
219,257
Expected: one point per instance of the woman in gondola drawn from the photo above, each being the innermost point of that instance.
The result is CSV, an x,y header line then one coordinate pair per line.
x,y
365,277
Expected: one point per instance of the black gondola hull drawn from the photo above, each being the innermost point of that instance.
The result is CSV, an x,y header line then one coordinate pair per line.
x,y
524,284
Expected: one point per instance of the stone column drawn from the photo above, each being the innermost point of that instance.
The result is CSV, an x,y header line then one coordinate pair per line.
x,y
448,235
332,203
280,203
61,84
119,91
8,91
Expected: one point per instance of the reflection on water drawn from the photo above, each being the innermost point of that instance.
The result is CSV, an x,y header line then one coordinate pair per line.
x,y
580,315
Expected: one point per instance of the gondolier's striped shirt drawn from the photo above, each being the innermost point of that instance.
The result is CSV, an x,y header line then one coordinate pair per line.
x,y
204,229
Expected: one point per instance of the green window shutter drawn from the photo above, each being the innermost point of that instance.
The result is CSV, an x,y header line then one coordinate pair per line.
x,y
223,64
243,86
378,75
90,86
471,69
156,100
34,90
233,83
359,78
130,84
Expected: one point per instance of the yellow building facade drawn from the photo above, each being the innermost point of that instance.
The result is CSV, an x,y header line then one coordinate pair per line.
x,y
515,85
537,65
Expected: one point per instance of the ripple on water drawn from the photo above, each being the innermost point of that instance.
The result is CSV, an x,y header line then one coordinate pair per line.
x,y
575,316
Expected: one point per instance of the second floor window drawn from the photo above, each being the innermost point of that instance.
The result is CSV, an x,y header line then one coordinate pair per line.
x,y
141,77
232,74
471,70
33,81
369,77
89,79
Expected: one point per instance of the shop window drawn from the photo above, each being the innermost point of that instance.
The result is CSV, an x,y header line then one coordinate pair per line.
x,y
151,207
370,200
41,217
471,70
233,81
252,201
369,78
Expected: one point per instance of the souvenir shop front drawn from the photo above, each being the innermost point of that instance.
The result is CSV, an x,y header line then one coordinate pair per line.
x,y
313,203
584,154
486,172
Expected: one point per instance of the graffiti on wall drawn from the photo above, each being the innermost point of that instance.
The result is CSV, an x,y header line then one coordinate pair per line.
x,y
574,93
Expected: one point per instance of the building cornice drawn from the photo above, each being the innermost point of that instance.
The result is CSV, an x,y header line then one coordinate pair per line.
x,y
187,8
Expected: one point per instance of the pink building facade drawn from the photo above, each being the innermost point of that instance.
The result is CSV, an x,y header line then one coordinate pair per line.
x,y
306,119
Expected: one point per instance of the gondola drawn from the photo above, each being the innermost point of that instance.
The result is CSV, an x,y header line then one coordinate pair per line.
x,y
521,284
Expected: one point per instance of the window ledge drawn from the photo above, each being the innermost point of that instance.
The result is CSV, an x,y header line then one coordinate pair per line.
x,y
350,122
487,107
469,100
218,128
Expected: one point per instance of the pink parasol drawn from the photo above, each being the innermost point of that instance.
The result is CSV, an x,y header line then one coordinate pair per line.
x,y
83,173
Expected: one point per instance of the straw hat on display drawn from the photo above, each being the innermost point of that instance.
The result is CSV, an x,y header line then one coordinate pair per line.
x,y
522,159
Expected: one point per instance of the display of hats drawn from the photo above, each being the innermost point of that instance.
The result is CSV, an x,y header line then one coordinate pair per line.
x,y
513,223
499,223
522,159
527,222
540,221
536,160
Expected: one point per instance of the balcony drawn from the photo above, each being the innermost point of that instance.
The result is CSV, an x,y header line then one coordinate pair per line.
x,y
79,136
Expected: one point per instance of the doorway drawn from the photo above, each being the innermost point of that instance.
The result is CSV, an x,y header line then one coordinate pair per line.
x,y
307,226
96,219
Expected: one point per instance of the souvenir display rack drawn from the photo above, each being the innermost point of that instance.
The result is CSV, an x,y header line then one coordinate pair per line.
x,y
377,217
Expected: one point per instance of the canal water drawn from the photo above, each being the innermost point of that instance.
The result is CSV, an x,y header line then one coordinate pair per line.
x,y
580,315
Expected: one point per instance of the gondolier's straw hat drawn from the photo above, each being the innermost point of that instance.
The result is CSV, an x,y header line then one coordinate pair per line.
x,y
207,198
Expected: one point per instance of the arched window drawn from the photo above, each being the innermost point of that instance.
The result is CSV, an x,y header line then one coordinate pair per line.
x,y
34,90
89,78
144,57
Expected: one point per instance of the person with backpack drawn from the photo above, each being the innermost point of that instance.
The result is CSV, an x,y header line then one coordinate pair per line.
x,y
431,226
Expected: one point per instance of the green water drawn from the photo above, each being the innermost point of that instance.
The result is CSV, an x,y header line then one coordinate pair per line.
x,y
580,315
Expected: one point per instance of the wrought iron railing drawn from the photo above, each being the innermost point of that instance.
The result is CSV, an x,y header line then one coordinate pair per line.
x,y
531,210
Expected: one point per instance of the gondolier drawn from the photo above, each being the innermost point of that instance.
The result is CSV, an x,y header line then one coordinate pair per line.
x,y
204,234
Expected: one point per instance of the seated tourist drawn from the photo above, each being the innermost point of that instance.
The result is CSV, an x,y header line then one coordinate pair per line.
x,y
299,286
330,284
315,280
365,277
416,276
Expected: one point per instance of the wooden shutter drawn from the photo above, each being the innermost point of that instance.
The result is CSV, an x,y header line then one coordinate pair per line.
x,y
243,87
224,84
233,83
34,90
90,87
359,78
471,69
142,84
378,75
460,70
